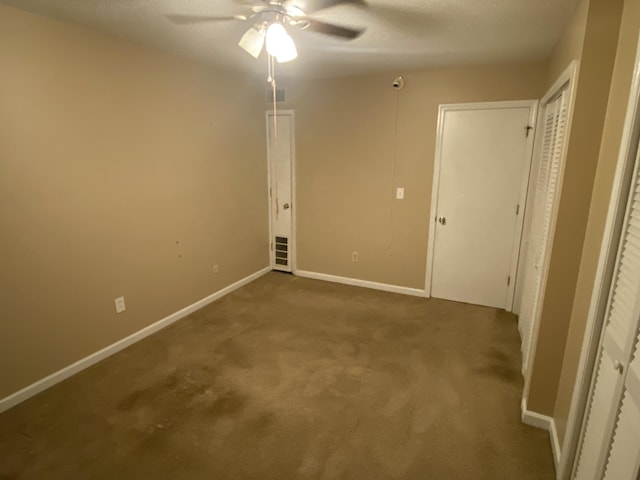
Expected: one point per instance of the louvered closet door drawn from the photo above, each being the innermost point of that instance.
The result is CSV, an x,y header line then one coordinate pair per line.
x,y
531,273
610,444
624,458
555,118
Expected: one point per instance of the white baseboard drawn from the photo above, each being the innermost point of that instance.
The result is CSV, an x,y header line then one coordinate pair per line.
x,y
556,448
544,422
416,292
535,419
56,377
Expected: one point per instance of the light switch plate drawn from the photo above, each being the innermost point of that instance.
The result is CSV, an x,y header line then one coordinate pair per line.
x,y
400,193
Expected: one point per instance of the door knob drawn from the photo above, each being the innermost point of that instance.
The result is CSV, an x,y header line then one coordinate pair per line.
x,y
619,367
442,220
286,206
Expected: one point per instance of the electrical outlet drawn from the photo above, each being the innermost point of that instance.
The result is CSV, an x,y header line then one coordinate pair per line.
x,y
354,257
216,269
119,302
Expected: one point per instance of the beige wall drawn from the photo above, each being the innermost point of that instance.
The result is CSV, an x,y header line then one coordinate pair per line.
x,y
609,149
570,45
596,65
345,135
123,171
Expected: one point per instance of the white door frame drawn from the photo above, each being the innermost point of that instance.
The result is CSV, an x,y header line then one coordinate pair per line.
x,y
611,238
442,110
294,204
567,79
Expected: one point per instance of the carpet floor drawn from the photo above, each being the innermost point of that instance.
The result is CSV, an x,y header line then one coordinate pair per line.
x,y
290,378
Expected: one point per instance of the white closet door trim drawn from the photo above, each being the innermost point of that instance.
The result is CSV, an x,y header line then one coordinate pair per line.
x,y
442,110
567,82
602,283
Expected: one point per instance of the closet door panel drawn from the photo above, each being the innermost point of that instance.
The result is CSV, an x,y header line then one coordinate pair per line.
x,y
613,417
555,118
623,461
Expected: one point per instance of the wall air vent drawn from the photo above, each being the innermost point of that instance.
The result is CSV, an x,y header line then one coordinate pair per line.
x,y
282,251
279,95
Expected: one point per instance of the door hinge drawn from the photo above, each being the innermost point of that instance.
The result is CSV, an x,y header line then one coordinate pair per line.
x,y
269,192
271,246
517,209
508,280
527,129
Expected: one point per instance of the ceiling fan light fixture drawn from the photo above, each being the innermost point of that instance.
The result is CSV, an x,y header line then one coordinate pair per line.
x,y
280,44
252,41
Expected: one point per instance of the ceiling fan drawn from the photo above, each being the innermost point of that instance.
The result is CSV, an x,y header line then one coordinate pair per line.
x,y
270,17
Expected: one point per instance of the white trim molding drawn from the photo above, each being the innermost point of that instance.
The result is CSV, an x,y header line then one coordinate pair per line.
x,y
547,423
20,396
416,292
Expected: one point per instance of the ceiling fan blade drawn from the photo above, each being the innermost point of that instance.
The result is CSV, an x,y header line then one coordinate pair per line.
x,y
310,6
346,33
193,19
253,41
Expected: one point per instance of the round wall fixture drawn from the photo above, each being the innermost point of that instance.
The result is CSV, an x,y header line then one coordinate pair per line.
x,y
398,83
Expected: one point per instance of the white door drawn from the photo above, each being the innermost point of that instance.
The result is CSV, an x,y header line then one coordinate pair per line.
x,y
280,151
483,165
610,442
550,164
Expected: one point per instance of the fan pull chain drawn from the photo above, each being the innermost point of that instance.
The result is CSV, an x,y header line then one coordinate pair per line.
x,y
272,80
273,87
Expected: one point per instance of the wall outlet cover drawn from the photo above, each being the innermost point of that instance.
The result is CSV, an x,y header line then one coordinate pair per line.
x,y
119,304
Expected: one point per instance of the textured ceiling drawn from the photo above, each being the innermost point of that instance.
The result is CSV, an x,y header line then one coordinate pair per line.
x,y
401,35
